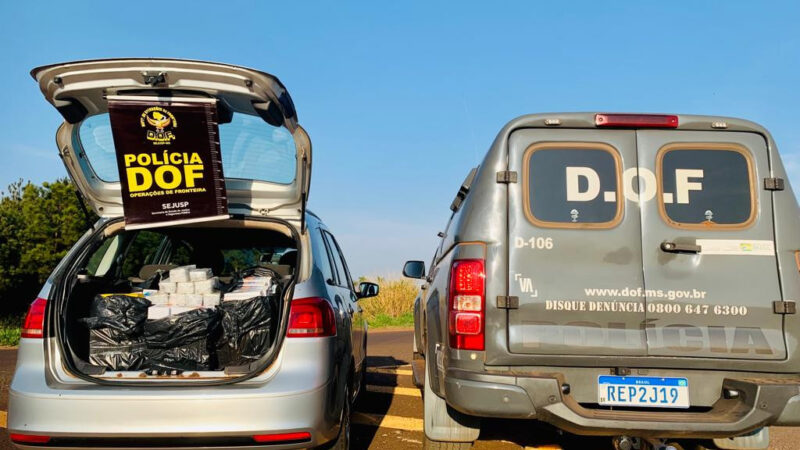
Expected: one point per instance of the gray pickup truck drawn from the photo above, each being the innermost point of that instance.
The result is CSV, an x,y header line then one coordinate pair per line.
x,y
627,275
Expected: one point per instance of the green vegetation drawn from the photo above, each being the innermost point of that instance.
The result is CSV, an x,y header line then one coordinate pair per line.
x,y
384,321
38,224
10,330
393,307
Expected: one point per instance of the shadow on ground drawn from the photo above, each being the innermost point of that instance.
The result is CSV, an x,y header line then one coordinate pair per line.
x,y
375,404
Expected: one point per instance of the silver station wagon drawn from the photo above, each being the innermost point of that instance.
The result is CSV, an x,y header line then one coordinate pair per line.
x,y
241,332
627,275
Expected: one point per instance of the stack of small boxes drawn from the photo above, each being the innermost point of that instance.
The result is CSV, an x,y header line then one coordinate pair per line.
x,y
250,287
186,288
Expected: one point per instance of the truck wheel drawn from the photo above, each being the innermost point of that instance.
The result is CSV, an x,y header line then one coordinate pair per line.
x,y
417,369
445,428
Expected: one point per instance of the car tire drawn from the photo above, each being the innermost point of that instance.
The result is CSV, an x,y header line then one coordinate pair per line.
x,y
343,440
444,427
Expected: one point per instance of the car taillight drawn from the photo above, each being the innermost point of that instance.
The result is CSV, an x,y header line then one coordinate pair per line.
x,y
636,120
311,317
33,327
282,437
467,304
29,438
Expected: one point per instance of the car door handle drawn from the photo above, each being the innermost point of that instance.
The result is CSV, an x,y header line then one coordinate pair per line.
x,y
675,247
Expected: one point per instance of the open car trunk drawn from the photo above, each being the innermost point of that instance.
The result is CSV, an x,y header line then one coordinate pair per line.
x,y
118,316
195,303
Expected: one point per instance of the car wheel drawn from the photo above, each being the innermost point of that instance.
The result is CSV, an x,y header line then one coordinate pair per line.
x,y
443,426
343,440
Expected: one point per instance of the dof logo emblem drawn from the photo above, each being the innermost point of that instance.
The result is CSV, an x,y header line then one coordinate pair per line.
x,y
159,123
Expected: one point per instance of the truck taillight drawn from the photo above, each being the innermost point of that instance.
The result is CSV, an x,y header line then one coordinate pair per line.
x,y
311,317
467,304
33,327
636,120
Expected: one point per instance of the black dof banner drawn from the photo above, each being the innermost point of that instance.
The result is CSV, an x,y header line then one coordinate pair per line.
x,y
169,160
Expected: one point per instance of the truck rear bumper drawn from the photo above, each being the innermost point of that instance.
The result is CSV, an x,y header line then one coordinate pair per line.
x,y
761,401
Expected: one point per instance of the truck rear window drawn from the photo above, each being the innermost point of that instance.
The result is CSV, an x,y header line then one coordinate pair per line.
x,y
572,185
706,185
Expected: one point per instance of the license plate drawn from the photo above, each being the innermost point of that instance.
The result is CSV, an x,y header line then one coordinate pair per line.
x,y
658,392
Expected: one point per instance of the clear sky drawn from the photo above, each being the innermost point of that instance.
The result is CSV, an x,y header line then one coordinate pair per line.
x,y
402,99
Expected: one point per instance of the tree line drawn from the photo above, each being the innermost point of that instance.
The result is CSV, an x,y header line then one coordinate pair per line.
x,y
38,225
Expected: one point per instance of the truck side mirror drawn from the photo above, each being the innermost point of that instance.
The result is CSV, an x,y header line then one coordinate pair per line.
x,y
414,269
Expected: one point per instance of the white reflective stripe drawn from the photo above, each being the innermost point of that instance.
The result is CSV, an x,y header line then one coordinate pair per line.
x,y
736,247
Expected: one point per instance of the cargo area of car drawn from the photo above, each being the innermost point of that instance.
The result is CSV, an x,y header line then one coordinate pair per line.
x,y
187,302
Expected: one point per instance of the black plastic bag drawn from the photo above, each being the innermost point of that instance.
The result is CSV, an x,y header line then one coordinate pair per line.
x,y
192,356
121,316
246,330
114,354
115,331
182,341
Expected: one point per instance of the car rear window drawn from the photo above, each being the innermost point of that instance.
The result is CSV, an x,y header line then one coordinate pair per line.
x,y
251,149
572,185
706,185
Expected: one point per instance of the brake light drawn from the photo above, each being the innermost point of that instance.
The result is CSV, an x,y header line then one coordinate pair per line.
x,y
467,304
33,327
283,437
636,120
29,438
311,317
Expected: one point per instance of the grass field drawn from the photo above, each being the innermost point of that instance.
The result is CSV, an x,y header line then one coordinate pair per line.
x,y
406,320
394,305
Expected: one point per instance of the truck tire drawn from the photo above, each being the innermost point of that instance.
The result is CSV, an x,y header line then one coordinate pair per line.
x,y
445,428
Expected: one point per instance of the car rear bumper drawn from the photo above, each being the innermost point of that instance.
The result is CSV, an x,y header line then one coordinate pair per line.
x,y
209,423
135,444
762,401
297,397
